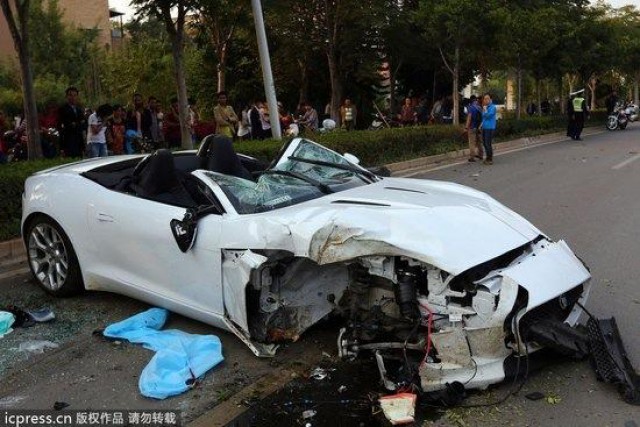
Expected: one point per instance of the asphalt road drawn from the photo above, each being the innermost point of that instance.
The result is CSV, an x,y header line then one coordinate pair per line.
x,y
586,193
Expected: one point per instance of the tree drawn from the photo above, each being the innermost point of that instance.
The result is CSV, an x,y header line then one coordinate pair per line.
x,y
220,20
162,10
454,27
16,13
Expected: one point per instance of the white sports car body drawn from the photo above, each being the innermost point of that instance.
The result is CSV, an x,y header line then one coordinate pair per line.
x,y
433,270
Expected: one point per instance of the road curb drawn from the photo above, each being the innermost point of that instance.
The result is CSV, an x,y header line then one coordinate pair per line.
x,y
13,259
428,162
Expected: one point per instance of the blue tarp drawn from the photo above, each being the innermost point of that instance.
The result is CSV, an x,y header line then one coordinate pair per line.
x,y
180,357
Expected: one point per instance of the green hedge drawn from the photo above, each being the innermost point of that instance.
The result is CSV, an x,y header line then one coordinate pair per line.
x,y
372,147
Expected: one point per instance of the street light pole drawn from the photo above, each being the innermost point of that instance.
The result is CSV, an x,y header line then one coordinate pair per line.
x,y
267,76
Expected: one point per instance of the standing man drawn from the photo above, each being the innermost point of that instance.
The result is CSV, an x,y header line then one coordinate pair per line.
x,y
171,125
72,124
612,101
570,119
488,127
348,115
226,118
474,120
254,120
580,114
97,126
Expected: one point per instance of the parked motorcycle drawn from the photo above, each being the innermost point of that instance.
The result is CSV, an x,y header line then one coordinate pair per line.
x,y
622,115
16,146
381,121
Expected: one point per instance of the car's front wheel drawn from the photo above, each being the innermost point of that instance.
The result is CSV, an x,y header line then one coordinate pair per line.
x,y
52,260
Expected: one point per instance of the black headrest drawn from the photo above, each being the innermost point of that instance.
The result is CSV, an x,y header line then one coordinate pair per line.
x,y
222,158
158,174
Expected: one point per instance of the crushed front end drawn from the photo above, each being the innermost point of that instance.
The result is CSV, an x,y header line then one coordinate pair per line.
x,y
430,328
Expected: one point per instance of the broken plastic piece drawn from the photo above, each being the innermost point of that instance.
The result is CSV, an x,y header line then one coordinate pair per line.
x,y
42,315
610,359
6,320
37,346
399,408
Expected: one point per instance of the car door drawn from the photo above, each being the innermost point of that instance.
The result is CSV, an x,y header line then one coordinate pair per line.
x,y
135,249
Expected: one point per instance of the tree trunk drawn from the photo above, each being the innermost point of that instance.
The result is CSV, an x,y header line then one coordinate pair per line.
x,y
336,87
392,87
519,78
592,84
30,109
221,68
303,90
178,63
456,84
20,34
538,100
563,101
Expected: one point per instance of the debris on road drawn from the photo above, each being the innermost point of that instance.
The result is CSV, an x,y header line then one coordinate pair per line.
x,y
399,408
342,389
42,315
553,399
28,318
180,359
37,347
60,405
610,359
536,395
6,321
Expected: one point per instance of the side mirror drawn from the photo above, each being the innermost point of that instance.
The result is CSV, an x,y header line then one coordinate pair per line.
x,y
351,158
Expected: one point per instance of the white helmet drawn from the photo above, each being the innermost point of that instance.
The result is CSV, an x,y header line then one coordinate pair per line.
x,y
329,124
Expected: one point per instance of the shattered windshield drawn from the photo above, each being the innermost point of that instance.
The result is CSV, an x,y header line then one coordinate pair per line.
x,y
281,187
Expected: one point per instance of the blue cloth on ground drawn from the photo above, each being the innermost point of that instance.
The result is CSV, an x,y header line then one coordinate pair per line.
x,y
6,320
180,357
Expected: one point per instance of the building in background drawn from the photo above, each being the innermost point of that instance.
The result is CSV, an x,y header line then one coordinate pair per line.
x,y
83,14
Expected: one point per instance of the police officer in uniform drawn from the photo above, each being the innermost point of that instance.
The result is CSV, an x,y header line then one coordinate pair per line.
x,y
580,113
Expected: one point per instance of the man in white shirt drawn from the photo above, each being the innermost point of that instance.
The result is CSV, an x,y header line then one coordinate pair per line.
x,y
97,139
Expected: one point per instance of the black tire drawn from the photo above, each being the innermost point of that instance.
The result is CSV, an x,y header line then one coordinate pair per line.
x,y
48,251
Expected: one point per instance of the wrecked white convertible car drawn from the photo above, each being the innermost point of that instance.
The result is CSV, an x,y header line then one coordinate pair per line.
x,y
438,276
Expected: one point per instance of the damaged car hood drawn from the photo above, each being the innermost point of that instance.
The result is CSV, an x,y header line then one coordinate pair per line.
x,y
446,225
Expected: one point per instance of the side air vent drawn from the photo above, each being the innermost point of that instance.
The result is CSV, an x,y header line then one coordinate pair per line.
x,y
358,202
404,189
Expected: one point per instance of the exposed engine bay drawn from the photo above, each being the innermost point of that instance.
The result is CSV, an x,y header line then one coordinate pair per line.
x,y
424,326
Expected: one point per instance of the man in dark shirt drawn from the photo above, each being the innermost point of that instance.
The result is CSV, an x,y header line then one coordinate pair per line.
x,y
72,124
611,102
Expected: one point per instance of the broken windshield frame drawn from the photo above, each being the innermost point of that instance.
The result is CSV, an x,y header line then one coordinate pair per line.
x,y
346,167
312,171
320,186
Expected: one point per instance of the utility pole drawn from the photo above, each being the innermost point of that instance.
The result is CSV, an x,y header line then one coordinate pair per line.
x,y
267,76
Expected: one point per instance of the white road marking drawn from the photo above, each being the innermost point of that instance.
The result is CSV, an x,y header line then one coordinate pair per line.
x,y
626,162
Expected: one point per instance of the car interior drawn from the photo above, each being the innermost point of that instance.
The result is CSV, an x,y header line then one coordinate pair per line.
x,y
165,177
